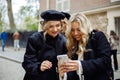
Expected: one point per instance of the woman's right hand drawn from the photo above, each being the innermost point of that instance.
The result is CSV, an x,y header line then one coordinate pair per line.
x,y
61,69
45,65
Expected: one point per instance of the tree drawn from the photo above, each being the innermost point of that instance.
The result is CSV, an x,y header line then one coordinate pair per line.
x,y
0,21
28,17
10,15
31,23
2,13
37,2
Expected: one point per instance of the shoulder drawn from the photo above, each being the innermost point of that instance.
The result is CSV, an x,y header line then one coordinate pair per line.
x,y
99,38
62,37
36,36
100,35
35,40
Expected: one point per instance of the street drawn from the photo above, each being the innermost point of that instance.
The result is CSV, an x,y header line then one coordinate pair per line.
x,y
11,68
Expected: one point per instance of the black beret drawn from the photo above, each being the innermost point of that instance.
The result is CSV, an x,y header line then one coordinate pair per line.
x,y
67,15
50,15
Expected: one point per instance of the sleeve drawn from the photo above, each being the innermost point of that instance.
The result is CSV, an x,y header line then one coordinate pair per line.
x,y
80,70
102,60
31,63
64,78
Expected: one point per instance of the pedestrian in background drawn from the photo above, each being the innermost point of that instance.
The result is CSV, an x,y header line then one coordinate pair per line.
x,y
40,60
16,37
114,43
89,53
3,39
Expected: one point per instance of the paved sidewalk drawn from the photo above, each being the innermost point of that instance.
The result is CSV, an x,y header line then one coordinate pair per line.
x,y
13,55
17,56
117,73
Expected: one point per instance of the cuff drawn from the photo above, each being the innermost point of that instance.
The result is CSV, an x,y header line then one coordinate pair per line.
x,y
80,69
63,78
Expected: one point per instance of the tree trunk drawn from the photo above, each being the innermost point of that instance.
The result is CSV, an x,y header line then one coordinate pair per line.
x,y
10,15
0,21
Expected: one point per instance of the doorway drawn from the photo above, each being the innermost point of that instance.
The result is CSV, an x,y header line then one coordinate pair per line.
x,y
117,29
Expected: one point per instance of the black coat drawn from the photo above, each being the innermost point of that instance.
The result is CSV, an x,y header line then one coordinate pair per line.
x,y
97,61
40,48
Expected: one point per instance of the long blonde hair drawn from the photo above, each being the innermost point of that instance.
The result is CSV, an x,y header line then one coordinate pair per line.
x,y
85,28
44,27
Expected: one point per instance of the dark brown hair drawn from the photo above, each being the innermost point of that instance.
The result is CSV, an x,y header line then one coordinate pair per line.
x,y
114,35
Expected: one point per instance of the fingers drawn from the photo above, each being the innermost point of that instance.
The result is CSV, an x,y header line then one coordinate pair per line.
x,y
45,65
70,68
71,65
61,69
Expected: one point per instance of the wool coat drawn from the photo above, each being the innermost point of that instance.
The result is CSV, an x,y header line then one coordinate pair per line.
x,y
40,48
97,59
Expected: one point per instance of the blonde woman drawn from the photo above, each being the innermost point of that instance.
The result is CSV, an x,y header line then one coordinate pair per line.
x,y
40,60
89,53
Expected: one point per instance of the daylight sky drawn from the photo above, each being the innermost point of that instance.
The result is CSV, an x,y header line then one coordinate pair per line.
x,y
17,4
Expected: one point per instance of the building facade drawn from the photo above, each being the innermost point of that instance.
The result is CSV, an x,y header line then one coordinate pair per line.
x,y
103,14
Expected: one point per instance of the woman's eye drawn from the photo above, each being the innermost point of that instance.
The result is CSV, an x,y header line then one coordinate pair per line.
x,y
78,29
50,26
58,25
72,29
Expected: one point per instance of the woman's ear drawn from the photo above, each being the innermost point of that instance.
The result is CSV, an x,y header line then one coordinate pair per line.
x,y
41,22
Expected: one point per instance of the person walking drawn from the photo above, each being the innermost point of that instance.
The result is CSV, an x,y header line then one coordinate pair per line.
x,y
40,59
3,39
16,37
89,53
114,43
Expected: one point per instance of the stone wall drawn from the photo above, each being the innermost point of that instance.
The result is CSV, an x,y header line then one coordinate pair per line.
x,y
99,21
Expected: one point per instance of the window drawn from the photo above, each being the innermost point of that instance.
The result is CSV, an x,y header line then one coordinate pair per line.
x,y
117,29
63,5
114,0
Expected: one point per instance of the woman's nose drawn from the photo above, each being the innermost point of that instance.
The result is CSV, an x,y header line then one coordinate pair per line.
x,y
76,32
55,28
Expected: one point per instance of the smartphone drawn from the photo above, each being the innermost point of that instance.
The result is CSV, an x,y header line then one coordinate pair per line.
x,y
62,58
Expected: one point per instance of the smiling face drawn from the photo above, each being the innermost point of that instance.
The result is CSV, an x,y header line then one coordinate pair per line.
x,y
75,31
53,28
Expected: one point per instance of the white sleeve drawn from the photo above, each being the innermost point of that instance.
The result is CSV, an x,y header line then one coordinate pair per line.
x,y
80,69
64,78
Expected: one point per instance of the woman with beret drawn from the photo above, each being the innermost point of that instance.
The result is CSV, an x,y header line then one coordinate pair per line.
x,y
40,62
89,53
